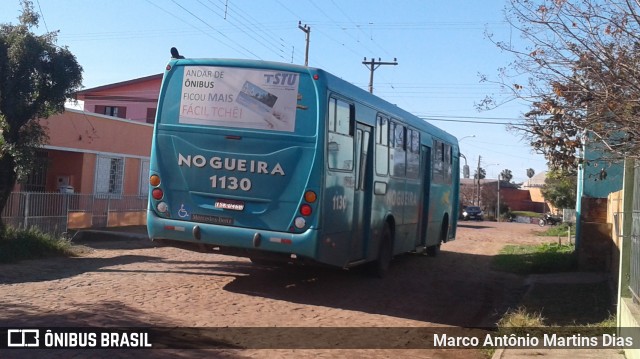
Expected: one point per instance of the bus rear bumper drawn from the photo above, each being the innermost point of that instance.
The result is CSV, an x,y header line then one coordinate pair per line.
x,y
245,242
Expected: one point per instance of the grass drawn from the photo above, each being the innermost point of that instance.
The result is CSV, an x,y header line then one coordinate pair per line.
x,y
571,304
561,229
575,307
535,259
16,245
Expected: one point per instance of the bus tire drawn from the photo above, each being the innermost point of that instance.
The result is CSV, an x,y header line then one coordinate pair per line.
x,y
380,266
433,251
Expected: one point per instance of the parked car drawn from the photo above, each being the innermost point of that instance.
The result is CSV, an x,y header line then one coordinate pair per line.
x,y
472,212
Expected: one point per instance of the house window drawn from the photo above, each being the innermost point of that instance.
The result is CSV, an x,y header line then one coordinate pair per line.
x,y
115,111
37,179
144,178
109,175
151,115
111,111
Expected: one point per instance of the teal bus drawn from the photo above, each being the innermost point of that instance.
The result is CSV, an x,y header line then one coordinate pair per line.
x,y
280,162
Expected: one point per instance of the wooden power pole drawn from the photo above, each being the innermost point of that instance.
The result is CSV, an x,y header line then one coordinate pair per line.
x,y
307,30
372,65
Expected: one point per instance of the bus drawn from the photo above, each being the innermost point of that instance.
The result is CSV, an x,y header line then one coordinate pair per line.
x,y
286,163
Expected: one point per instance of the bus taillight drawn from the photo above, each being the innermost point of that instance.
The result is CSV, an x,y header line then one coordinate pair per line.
x,y
154,180
310,196
157,194
305,210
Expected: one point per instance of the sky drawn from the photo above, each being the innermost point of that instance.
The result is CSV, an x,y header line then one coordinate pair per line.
x,y
440,47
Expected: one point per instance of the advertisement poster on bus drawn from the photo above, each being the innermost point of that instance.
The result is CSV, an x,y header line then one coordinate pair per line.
x,y
239,98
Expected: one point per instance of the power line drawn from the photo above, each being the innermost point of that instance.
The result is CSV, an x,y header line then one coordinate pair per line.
x,y
467,121
42,16
214,29
240,25
188,23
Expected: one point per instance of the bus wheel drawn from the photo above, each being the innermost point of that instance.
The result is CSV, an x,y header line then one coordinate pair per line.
x,y
433,251
380,266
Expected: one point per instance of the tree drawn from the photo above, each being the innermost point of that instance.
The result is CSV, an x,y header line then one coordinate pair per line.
x,y
481,172
506,175
530,172
560,188
579,70
36,78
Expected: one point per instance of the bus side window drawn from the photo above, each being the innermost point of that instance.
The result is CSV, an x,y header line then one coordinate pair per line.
x,y
344,117
438,161
340,145
382,146
413,154
447,164
398,165
332,114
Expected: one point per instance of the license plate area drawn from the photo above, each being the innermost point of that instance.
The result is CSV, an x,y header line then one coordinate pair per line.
x,y
230,204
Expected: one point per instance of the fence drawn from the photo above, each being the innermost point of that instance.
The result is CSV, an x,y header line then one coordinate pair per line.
x,y
57,213
634,280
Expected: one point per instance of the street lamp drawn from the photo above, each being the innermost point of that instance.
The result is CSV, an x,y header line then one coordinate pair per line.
x,y
498,206
465,169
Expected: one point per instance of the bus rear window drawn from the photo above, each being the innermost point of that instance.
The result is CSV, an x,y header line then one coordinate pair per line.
x,y
260,99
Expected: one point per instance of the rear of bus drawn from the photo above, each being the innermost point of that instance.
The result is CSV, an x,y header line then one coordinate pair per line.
x,y
234,161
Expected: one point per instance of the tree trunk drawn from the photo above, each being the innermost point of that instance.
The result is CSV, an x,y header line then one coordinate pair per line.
x,y
8,179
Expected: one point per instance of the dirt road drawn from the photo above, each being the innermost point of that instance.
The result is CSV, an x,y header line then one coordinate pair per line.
x,y
134,283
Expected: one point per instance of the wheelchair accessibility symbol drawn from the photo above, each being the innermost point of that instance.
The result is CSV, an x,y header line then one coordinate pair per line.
x,y
182,212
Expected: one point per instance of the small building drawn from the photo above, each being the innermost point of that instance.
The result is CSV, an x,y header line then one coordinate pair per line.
x,y
99,154
105,148
484,193
136,99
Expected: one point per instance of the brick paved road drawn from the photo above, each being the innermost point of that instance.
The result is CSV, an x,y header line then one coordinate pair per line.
x,y
134,283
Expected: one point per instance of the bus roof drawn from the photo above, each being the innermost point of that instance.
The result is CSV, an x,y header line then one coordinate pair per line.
x,y
334,82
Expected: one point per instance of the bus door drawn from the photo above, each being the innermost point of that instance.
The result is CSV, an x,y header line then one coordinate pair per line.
x,y
425,153
363,192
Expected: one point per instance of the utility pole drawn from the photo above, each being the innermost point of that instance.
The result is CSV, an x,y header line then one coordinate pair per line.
x,y
373,65
478,175
307,30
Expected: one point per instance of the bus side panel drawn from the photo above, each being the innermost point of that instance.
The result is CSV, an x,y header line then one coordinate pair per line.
x,y
335,244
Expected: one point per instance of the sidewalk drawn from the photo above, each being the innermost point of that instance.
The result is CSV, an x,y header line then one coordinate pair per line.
x,y
560,278
559,353
110,234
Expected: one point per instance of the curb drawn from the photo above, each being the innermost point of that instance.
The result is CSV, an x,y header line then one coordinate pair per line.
x,y
99,235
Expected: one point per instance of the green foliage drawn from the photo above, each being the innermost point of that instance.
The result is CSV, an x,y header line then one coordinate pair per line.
x,y
561,229
525,213
560,188
16,245
535,259
506,175
576,65
36,78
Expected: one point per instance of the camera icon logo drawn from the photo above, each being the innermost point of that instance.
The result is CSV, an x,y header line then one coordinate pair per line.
x,y
23,338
